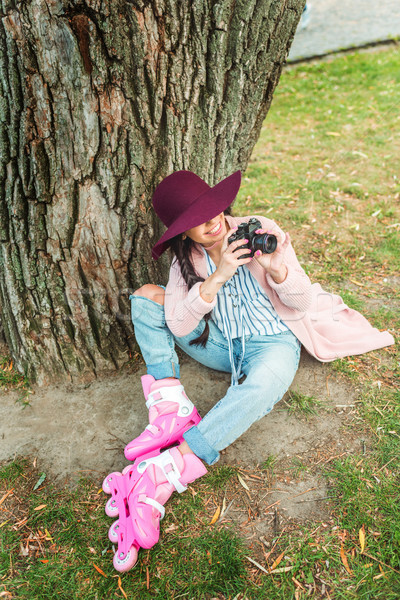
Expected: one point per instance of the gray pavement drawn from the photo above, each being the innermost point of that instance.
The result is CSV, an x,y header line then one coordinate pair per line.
x,y
339,24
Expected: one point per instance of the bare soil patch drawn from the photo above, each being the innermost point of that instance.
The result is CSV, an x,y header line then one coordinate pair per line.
x,y
81,430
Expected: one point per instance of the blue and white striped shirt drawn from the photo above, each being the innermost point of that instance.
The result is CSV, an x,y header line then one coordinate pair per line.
x,y
242,307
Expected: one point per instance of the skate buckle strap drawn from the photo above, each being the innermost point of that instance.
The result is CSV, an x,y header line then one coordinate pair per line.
x,y
151,502
153,429
168,466
171,472
173,393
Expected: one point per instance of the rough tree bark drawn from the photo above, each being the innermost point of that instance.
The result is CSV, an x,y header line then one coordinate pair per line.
x,y
100,99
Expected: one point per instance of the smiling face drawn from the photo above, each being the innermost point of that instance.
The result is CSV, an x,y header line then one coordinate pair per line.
x,y
210,232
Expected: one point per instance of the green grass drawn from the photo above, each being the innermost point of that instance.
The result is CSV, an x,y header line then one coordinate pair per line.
x,y
326,164
268,463
302,405
219,476
11,379
298,467
12,471
66,535
384,316
368,498
346,366
353,301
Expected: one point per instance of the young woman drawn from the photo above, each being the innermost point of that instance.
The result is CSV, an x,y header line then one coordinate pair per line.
x,y
233,312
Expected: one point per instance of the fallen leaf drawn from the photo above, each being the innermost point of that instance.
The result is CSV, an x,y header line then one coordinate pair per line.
x,y
361,535
257,565
40,481
344,560
243,483
282,570
44,560
334,133
41,507
277,561
6,495
23,551
120,587
357,283
225,509
298,584
3,523
216,515
223,506
99,570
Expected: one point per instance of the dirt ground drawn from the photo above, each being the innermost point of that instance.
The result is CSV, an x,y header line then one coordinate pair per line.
x,y
81,430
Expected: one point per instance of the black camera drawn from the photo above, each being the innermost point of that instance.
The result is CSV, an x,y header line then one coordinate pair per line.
x,y
265,242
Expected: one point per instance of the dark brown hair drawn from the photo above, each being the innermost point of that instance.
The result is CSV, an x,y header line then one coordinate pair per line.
x,y
182,250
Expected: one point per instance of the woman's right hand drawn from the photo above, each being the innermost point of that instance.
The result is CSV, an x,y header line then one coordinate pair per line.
x,y
230,257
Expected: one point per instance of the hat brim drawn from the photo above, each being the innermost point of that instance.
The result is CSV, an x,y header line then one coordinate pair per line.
x,y
203,209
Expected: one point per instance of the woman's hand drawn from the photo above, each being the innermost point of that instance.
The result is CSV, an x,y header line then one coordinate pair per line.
x,y
230,257
273,263
227,266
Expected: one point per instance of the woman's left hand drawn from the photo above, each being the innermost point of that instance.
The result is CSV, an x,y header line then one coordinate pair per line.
x,y
273,263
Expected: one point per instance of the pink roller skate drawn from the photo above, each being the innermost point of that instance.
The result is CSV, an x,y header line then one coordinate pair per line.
x,y
160,476
137,498
171,413
119,485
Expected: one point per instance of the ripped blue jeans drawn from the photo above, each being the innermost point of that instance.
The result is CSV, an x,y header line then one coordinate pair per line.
x,y
269,364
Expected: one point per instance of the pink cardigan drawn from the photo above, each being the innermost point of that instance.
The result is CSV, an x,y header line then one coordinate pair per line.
x,y
326,327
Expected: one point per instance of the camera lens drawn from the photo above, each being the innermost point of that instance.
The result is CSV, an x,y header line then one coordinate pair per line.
x,y
265,242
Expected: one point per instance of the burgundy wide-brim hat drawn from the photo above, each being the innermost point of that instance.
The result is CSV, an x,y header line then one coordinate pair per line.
x,y
183,200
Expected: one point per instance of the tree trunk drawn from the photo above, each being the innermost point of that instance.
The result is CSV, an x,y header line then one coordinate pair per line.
x,y
99,101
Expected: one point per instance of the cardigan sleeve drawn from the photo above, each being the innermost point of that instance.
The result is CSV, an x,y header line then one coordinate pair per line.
x,y
295,292
184,308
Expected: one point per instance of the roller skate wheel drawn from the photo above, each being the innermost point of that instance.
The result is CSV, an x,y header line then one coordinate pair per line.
x,y
113,532
124,563
107,481
112,508
126,469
